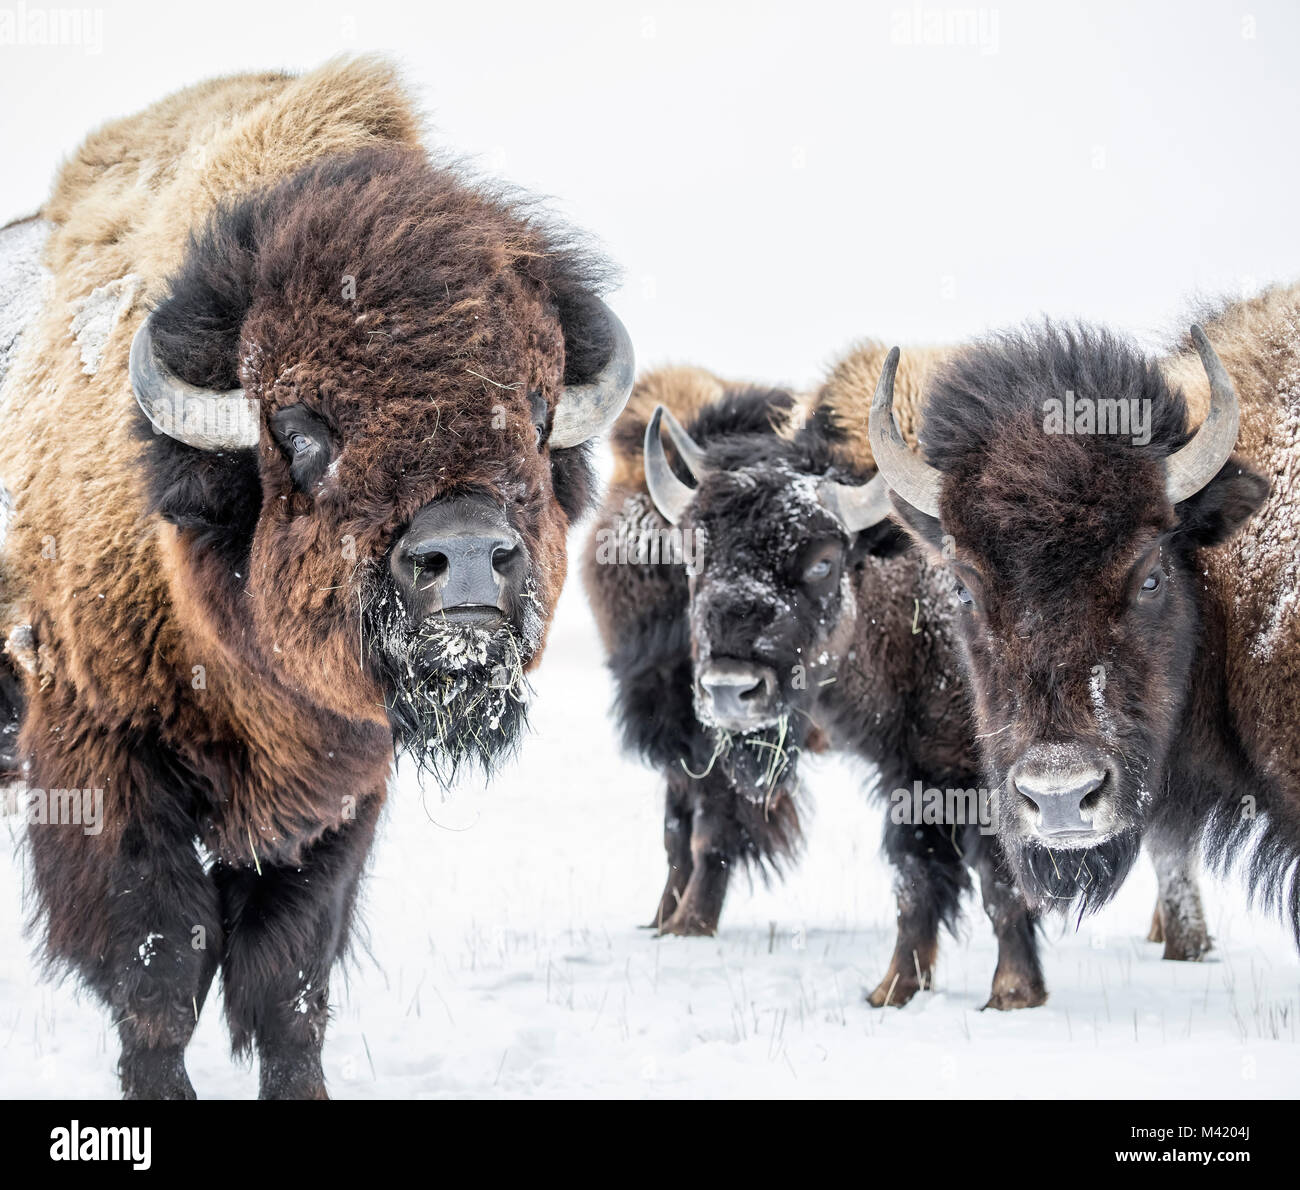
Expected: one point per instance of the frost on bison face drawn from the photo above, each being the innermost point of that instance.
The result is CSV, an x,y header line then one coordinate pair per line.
x,y
427,375
1076,559
772,605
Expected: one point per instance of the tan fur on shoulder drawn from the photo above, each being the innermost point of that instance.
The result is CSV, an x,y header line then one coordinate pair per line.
x,y
80,562
844,397
685,391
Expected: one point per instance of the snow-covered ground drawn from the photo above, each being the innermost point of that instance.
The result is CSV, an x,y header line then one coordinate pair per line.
x,y
505,960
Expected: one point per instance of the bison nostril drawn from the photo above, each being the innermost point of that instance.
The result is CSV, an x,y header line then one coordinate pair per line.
x,y
753,692
431,564
505,558
1093,799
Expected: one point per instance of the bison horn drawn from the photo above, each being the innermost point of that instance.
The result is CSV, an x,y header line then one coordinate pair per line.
x,y
1190,469
199,417
903,470
669,494
857,506
586,410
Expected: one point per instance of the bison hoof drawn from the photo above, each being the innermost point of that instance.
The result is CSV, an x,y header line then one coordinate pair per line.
x,y
1191,949
1008,999
893,992
688,925
154,1074
1157,931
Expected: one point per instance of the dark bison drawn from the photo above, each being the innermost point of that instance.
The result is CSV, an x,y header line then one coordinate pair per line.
x,y
1130,591
754,606
369,382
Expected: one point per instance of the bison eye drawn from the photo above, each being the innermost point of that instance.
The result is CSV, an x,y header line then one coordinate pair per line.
x,y
820,570
305,440
1152,583
964,595
537,404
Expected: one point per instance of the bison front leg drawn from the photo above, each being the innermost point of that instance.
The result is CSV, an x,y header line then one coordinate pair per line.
x,y
1179,918
286,926
141,925
1018,980
711,852
677,847
929,879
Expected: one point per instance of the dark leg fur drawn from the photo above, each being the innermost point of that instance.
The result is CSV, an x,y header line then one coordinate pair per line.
x,y
929,881
677,846
285,929
717,829
146,939
1018,981
712,853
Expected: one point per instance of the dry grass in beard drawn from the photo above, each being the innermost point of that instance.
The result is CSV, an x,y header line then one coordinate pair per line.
x,y
456,694
754,762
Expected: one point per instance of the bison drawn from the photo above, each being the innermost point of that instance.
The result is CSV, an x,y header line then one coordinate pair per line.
x,y
755,604
1130,602
290,448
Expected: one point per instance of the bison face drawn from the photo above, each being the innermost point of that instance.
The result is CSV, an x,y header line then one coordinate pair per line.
x,y
1074,558
383,526
771,551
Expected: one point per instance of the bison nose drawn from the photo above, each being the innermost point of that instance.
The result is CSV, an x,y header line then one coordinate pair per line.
x,y
461,558
1064,787
738,695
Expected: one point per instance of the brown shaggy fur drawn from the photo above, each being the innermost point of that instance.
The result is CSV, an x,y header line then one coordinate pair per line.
x,y
1160,645
1257,574
843,400
198,619
882,680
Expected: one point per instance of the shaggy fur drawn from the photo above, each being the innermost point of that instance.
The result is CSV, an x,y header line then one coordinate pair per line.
x,y
212,640
1190,690
839,407
865,659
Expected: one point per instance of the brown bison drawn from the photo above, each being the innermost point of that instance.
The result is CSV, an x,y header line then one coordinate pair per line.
x,y
756,605
1131,600
762,613
290,450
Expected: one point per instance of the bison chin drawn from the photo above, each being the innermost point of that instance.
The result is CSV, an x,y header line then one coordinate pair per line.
x,y
1071,881
455,692
757,763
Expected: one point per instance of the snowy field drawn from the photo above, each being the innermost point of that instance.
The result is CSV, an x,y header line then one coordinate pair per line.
x,y
504,959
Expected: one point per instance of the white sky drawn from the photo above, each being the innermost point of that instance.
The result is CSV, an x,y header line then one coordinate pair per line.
x,y
778,179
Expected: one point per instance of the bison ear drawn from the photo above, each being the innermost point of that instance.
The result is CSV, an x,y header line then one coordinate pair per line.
x,y
1220,508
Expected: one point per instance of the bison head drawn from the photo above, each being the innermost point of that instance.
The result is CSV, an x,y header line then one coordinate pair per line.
x,y
370,387
1063,492
771,544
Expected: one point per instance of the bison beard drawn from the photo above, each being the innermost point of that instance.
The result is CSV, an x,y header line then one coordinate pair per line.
x,y
756,763
1087,878
455,693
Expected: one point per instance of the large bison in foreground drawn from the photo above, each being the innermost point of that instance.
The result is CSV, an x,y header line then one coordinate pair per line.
x,y
369,383
793,618
1132,602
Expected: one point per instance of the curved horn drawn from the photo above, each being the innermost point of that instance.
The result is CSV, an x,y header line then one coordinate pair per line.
x,y
671,497
1190,469
858,506
903,470
586,410
199,417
